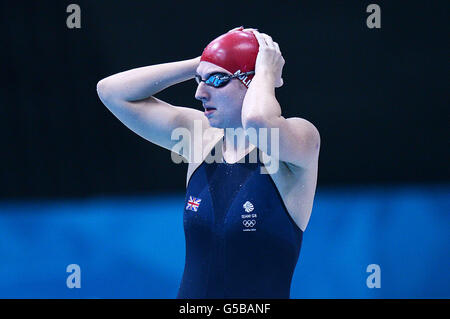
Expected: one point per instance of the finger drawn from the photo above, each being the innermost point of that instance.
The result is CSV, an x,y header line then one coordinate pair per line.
x,y
261,40
277,47
268,40
237,28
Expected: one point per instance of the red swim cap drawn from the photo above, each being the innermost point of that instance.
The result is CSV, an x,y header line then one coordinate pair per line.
x,y
234,51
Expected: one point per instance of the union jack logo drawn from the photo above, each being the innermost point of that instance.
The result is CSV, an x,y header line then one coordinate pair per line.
x,y
193,203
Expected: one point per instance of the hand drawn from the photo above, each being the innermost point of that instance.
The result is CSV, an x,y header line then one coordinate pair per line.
x,y
269,58
242,29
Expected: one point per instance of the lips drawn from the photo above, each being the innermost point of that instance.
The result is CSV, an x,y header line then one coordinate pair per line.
x,y
209,109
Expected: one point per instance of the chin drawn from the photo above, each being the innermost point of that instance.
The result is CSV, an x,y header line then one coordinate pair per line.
x,y
215,123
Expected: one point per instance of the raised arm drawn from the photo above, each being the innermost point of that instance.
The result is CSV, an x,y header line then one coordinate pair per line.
x,y
129,96
299,139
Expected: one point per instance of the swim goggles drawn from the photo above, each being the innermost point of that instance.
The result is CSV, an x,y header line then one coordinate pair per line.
x,y
218,80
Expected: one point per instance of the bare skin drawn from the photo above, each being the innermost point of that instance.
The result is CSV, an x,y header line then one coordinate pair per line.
x,y
129,96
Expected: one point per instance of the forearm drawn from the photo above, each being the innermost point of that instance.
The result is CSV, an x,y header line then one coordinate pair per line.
x,y
140,83
260,103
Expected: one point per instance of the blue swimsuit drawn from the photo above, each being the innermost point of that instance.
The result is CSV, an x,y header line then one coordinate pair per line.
x,y
240,240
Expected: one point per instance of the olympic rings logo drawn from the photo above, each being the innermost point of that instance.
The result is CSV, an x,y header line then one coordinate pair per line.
x,y
249,223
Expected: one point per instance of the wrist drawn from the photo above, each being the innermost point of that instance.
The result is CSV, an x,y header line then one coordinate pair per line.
x,y
265,76
196,60
192,65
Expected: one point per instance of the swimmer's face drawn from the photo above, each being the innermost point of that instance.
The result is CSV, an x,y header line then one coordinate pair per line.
x,y
226,100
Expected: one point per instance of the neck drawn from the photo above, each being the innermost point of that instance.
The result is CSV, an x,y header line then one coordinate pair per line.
x,y
235,144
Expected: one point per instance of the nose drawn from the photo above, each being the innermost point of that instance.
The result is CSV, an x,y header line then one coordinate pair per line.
x,y
202,93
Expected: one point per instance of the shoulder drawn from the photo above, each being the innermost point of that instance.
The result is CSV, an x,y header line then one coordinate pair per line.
x,y
298,141
308,129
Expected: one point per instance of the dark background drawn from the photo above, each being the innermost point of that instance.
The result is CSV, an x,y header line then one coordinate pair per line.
x,y
377,96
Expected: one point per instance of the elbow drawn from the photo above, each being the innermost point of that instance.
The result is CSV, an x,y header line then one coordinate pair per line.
x,y
314,138
107,90
103,90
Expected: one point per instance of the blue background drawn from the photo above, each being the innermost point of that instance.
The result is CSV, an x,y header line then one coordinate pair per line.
x,y
133,247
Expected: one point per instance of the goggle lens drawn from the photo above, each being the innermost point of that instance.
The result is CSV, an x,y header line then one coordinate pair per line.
x,y
218,80
215,80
